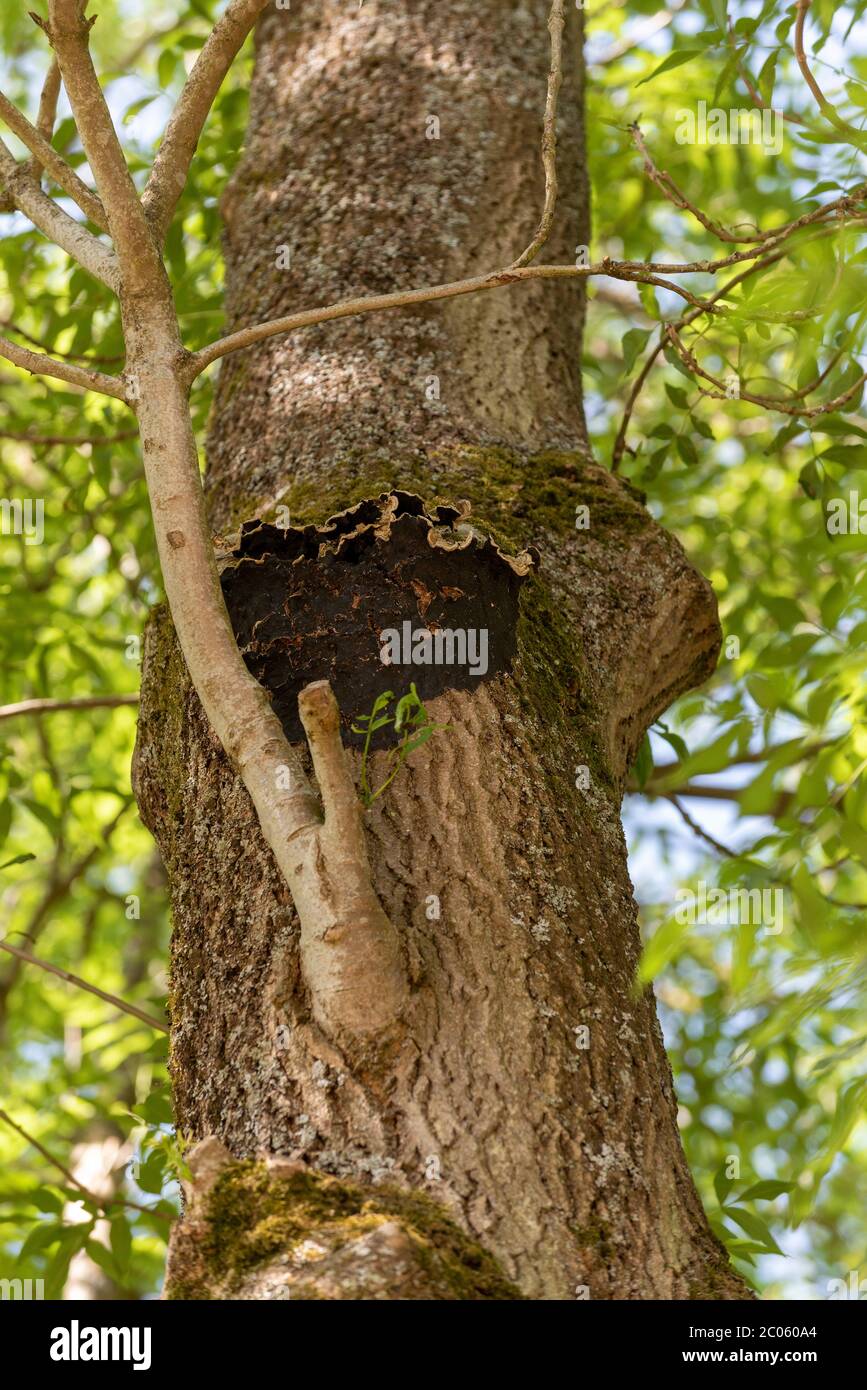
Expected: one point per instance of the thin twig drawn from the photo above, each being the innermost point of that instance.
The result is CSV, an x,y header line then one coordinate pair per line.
x,y
45,155
76,980
782,405
101,1204
75,702
172,164
773,236
859,136
549,135
40,364
703,834
71,441
196,362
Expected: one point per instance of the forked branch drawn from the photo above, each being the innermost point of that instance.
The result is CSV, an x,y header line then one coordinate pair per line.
x,y
172,164
46,157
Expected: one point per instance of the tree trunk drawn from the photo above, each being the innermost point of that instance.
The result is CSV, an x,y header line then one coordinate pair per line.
x,y
514,1134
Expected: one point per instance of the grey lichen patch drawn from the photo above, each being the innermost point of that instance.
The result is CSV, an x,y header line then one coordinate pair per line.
x,y
260,1232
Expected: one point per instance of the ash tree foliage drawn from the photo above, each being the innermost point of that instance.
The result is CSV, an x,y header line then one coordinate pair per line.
x,y
724,373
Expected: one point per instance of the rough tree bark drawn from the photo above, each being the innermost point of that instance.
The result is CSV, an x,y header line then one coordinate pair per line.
x,y
514,1134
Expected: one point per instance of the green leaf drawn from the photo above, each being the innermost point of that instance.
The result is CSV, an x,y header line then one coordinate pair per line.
x,y
722,1184
121,1241
634,343
755,1227
18,859
47,1200
686,449
43,1234
766,1191
132,111
674,60
104,1259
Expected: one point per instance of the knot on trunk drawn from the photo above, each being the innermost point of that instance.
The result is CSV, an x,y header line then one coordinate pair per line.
x,y
648,620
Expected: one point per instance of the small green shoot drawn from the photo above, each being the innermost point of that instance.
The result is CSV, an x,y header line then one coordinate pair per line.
x,y
411,722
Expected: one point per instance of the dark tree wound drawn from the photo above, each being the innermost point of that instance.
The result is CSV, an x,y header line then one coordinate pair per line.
x,y
314,603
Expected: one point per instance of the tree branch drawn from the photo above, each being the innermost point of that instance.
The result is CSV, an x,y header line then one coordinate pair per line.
x,y
68,31
75,702
53,222
689,317
346,308
72,441
785,407
350,951
76,980
100,1203
768,239
40,364
549,135
175,155
45,156
851,132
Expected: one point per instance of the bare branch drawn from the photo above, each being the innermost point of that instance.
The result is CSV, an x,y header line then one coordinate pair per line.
x,y
703,834
350,951
47,114
172,164
90,358
851,132
75,702
68,31
53,222
117,1003
68,441
46,156
652,26
785,406
549,135
41,365
670,190
100,1203
346,308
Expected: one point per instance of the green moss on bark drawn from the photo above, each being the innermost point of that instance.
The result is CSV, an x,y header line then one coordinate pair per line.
x,y
515,496
251,1216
